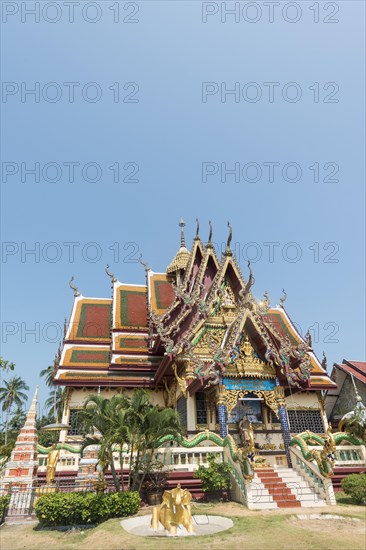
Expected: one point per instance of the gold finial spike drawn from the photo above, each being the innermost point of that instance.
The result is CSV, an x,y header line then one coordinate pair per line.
x,y
209,243
229,239
283,298
146,266
197,229
182,225
324,362
74,288
308,339
251,279
110,274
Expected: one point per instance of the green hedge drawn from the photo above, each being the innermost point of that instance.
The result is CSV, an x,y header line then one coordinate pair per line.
x,y
82,508
354,485
4,503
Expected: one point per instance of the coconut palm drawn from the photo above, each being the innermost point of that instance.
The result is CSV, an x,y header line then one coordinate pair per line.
x,y
157,423
49,373
55,403
12,393
135,416
103,419
5,365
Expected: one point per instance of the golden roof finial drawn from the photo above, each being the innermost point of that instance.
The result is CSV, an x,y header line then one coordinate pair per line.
x,y
146,266
197,230
229,239
283,298
209,243
182,225
244,294
74,288
181,258
110,274
324,362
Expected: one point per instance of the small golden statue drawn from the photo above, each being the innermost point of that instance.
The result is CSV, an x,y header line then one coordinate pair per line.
x,y
52,460
175,510
100,484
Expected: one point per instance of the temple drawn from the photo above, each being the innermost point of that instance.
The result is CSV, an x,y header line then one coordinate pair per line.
x,y
199,340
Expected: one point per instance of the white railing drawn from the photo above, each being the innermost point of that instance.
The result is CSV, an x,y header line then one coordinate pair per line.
x,y
310,472
238,486
180,458
350,455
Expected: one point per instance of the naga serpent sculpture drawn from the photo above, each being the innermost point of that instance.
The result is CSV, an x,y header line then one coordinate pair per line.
x,y
325,458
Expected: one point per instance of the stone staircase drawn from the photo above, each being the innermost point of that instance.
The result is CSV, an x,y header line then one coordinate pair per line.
x,y
279,487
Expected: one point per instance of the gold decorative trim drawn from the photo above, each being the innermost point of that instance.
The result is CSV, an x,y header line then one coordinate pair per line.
x,y
269,397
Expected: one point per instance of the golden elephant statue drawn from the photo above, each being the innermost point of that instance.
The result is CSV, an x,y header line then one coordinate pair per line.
x,y
173,511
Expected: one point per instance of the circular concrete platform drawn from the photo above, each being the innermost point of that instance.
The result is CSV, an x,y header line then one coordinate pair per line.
x,y
203,525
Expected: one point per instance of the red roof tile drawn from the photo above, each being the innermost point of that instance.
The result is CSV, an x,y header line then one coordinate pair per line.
x,y
356,368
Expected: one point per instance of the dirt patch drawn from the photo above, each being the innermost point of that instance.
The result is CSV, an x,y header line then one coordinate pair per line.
x,y
338,526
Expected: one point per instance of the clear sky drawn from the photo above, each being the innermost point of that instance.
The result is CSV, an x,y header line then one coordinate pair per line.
x,y
144,87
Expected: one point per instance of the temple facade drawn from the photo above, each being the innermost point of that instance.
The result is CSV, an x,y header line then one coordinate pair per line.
x,y
197,338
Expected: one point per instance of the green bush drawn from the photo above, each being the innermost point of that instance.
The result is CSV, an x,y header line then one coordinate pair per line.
x,y
354,485
82,508
123,504
4,503
214,478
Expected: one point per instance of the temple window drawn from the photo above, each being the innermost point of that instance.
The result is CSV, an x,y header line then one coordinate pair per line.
x,y
201,412
302,420
74,422
182,411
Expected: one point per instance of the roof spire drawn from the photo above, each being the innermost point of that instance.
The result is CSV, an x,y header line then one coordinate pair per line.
x,y
209,243
181,258
197,236
358,397
229,239
74,288
182,225
33,407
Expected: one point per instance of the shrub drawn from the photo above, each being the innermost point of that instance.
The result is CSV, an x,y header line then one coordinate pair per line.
x,y
82,508
354,485
214,478
123,504
4,503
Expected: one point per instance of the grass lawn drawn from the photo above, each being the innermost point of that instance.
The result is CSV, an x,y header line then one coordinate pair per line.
x,y
269,529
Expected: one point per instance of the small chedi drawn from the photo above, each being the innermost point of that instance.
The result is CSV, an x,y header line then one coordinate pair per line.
x,y
175,510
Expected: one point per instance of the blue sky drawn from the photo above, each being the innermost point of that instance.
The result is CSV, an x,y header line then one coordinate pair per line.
x,y
172,123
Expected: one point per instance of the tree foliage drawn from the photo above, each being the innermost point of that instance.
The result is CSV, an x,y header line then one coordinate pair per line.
x,y
129,425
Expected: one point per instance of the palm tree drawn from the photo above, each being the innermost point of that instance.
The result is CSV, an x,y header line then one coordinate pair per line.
x,y
104,420
158,422
135,416
5,365
55,403
49,373
12,393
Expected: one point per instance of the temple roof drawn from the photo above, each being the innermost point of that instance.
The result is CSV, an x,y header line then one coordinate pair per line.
x,y
138,335
355,368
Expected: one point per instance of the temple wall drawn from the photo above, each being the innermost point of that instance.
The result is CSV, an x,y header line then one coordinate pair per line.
x,y
78,397
307,400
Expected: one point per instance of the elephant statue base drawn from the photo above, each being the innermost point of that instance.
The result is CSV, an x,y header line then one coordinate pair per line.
x,y
175,510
